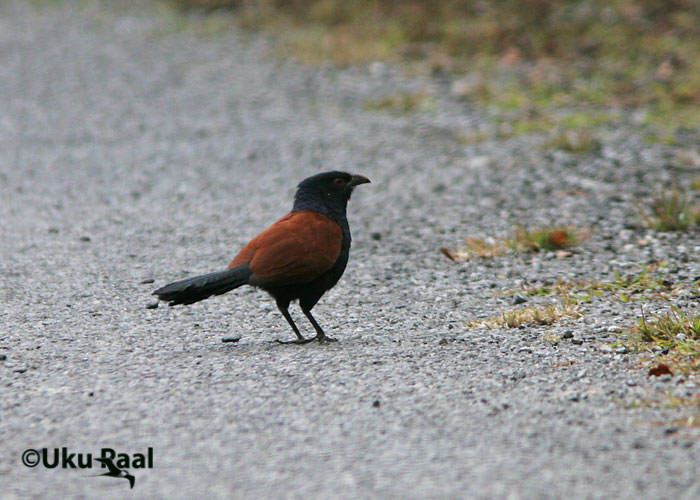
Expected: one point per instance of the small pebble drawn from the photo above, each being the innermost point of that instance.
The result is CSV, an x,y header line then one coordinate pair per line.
x,y
519,299
525,349
577,341
230,339
376,403
621,350
568,334
148,281
152,305
3,357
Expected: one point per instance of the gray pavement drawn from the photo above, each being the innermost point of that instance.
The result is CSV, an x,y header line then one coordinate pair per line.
x,y
137,144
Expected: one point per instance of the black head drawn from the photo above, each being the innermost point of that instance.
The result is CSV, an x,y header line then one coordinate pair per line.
x,y
333,185
327,192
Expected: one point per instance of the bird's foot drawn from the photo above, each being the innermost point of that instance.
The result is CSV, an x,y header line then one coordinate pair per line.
x,y
324,339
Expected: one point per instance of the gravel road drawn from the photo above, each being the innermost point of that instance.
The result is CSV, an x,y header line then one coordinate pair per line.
x,y
138,146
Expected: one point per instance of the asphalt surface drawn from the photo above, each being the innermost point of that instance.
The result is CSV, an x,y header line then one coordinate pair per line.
x,y
138,146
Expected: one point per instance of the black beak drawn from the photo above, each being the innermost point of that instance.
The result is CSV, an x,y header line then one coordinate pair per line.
x,y
356,180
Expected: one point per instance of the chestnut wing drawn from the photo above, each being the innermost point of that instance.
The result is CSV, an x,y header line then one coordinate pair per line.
x,y
298,248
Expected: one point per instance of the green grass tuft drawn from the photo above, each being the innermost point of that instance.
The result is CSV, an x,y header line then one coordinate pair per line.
x,y
676,332
544,238
574,141
521,240
671,211
401,103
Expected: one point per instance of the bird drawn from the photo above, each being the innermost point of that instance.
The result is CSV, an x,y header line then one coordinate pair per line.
x,y
115,471
299,257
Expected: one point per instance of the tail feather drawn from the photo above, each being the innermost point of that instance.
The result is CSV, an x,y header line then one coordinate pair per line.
x,y
191,290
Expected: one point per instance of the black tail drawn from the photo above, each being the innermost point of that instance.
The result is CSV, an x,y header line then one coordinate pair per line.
x,y
193,290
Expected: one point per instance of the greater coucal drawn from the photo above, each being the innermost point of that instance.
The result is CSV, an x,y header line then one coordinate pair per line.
x,y
301,256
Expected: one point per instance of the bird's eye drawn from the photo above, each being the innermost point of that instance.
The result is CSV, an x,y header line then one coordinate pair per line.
x,y
339,182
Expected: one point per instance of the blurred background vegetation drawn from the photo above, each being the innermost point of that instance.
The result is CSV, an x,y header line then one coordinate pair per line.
x,y
526,55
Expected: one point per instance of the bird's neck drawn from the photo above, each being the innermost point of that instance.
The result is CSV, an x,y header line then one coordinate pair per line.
x,y
335,211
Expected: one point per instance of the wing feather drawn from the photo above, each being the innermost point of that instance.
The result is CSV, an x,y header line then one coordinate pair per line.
x,y
298,248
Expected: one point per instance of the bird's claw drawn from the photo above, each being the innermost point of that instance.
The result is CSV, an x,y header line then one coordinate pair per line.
x,y
323,340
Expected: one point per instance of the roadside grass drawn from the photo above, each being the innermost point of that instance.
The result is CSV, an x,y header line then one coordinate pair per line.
x,y
672,339
690,422
642,286
574,141
401,103
640,55
477,248
521,240
573,131
669,400
577,120
544,238
531,315
675,333
670,211
634,287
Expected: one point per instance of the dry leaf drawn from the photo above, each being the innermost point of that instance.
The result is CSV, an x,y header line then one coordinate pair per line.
x,y
446,252
559,238
660,369
570,192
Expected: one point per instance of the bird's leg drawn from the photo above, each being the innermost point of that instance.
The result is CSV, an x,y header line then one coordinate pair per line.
x,y
320,334
284,309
